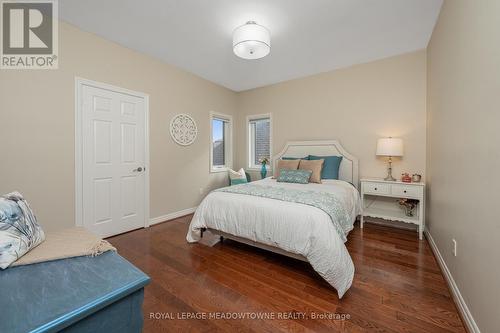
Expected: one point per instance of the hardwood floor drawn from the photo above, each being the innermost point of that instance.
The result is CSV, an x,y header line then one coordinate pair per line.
x,y
397,286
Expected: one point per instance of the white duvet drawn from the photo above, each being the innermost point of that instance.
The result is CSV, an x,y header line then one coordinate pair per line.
x,y
293,227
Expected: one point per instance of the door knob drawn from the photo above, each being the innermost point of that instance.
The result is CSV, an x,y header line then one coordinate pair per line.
x,y
139,169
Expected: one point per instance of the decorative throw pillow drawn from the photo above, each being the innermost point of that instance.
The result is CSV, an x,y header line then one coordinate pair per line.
x,y
285,164
315,167
19,230
330,167
295,158
294,176
237,177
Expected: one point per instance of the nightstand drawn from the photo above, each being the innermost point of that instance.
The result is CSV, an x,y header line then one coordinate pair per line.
x,y
374,188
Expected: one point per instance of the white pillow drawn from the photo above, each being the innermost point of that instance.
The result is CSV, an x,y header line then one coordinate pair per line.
x,y
240,174
237,177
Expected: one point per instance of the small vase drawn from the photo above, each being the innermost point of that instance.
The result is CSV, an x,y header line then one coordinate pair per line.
x,y
263,171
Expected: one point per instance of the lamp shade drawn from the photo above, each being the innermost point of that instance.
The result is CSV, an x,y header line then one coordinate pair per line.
x,y
390,147
251,41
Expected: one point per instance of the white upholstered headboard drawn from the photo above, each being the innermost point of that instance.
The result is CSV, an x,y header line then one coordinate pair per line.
x,y
349,167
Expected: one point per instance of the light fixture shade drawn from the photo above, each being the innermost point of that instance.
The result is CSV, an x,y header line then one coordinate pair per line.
x,y
251,41
390,147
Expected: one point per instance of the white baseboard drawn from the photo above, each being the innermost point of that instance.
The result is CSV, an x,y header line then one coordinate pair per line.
x,y
171,216
470,323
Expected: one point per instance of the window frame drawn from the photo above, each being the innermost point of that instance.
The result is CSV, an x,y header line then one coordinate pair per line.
x,y
228,142
249,141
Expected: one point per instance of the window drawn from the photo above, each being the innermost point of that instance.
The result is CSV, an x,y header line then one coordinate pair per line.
x,y
220,143
259,140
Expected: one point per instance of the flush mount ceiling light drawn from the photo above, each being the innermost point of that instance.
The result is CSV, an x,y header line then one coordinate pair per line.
x,y
251,41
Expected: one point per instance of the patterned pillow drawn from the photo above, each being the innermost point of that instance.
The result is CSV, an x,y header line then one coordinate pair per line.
x,y
294,176
19,231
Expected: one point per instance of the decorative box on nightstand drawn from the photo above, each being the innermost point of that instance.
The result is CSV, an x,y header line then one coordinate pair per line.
x,y
378,188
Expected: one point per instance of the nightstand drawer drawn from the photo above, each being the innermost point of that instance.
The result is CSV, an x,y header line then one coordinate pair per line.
x,y
377,188
406,191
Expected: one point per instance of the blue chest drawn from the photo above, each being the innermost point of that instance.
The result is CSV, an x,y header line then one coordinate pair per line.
x,y
82,294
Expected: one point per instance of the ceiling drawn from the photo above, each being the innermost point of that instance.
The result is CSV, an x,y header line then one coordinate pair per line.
x,y
307,36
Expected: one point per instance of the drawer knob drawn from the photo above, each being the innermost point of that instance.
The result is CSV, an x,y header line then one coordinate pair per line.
x,y
404,191
375,188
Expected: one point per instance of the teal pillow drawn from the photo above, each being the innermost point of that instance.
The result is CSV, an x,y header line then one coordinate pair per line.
x,y
294,176
238,181
331,166
295,158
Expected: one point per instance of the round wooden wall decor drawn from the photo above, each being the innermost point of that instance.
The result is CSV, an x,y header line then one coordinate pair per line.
x,y
183,129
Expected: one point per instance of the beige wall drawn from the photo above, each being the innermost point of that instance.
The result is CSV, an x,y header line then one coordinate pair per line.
x,y
355,105
37,118
464,150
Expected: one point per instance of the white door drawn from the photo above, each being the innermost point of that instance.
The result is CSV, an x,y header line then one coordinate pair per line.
x,y
113,161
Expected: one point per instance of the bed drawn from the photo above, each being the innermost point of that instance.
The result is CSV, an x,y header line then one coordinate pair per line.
x,y
261,214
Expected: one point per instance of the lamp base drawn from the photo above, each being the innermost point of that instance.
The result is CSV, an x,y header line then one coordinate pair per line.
x,y
390,178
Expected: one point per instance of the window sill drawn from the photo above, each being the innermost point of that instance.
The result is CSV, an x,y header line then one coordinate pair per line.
x,y
258,168
217,170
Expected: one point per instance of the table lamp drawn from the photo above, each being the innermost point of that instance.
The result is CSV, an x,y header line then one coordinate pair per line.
x,y
391,147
